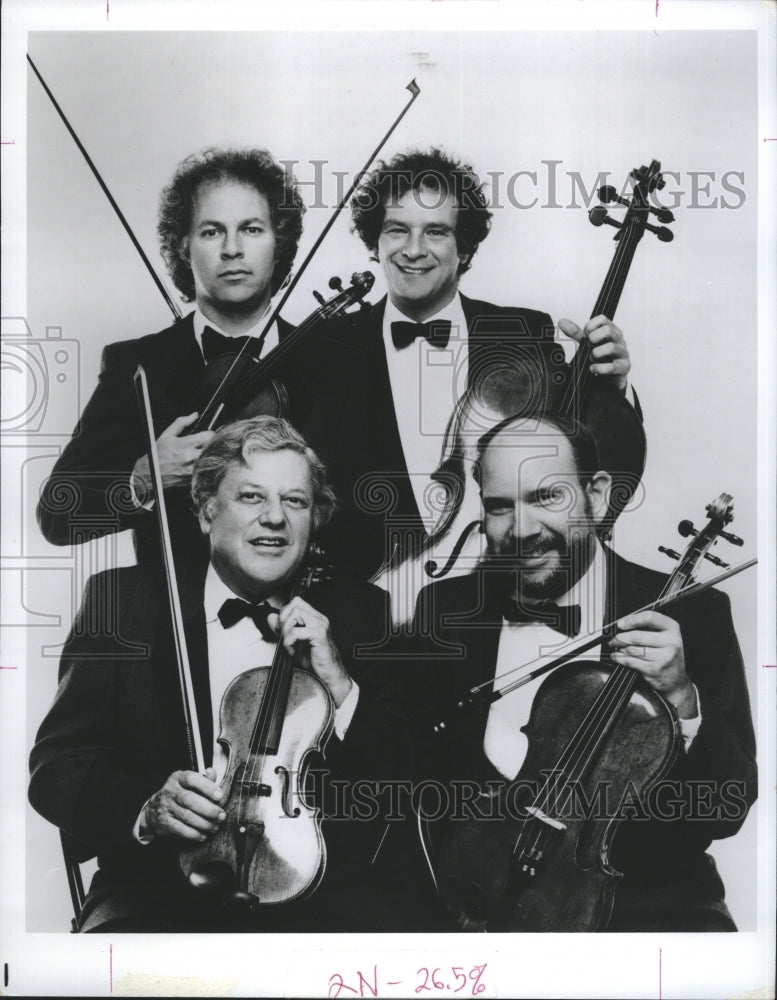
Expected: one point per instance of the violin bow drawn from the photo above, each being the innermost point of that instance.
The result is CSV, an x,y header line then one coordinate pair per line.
x,y
475,696
172,305
191,721
256,347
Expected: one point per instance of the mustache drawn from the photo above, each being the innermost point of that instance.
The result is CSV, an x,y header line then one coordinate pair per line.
x,y
526,548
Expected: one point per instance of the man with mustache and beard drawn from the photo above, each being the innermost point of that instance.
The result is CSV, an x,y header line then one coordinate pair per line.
x,y
548,577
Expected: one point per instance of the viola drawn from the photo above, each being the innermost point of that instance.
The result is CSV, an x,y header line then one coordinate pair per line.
x,y
592,726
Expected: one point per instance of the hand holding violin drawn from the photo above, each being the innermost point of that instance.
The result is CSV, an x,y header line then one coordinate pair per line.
x,y
609,353
178,451
187,806
305,634
651,643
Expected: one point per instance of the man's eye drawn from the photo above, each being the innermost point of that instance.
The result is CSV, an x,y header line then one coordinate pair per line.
x,y
497,509
208,233
249,496
552,498
296,501
254,230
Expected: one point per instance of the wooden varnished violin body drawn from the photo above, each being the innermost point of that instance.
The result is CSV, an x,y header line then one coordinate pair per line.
x,y
269,849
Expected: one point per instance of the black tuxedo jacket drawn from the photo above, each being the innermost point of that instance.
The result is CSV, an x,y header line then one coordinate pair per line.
x,y
384,496
115,732
667,876
385,519
88,492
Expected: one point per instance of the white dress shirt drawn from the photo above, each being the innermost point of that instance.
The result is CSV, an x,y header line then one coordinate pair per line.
x,y
526,644
426,383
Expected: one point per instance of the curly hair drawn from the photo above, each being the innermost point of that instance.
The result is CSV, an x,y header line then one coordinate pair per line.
x,y
233,443
432,169
254,167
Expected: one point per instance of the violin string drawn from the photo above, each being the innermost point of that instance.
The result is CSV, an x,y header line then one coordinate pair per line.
x,y
581,749
585,743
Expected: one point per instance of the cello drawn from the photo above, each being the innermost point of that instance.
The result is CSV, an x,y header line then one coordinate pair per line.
x,y
453,546
592,726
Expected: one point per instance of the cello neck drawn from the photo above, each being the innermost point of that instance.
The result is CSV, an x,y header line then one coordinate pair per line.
x,y
581,376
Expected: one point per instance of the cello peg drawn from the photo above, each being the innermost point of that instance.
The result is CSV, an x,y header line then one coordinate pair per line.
x,y
598,216
319,298
664,234
669,552
336,284
662,214
608,194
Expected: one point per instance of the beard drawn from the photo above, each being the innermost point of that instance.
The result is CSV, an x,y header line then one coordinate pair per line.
x,y
543,566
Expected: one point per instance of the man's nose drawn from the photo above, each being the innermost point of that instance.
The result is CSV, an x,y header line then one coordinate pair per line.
x,y
271,512
415,246
232,245
525,521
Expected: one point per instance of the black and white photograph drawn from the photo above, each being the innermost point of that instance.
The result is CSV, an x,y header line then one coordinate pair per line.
x,y
388,499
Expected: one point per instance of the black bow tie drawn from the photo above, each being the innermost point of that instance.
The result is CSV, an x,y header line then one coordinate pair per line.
x,y
564,618
215,344
234,610
437,332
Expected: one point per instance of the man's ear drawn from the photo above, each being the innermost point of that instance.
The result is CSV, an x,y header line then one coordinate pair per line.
x,y
598,493
204,517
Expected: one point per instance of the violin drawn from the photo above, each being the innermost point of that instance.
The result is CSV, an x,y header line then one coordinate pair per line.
x,y
272,719
453,547
592,726
237,385
269,849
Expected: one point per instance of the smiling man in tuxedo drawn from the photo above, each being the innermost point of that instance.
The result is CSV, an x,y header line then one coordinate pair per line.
x,y
547,577
111,766
423,215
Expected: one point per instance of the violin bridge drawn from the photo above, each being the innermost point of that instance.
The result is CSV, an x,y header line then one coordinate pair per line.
x,y
543,817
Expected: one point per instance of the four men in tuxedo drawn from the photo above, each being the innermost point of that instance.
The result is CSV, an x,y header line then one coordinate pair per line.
x,y
374,398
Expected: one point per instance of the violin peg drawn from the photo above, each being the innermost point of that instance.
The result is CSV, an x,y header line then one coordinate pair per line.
x,y
336,284
716,560
319,298
733,539
686,528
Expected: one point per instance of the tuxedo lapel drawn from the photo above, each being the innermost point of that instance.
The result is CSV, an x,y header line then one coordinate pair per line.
x,y
179,368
